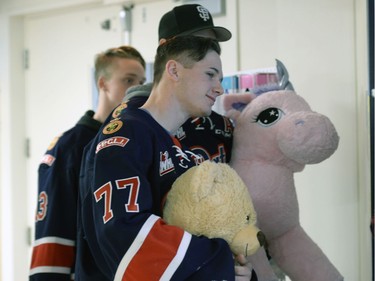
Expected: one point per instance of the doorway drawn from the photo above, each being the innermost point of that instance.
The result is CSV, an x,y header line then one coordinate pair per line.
x,y
60,47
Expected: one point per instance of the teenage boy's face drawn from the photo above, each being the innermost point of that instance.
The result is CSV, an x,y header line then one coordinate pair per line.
x,y
126,73
201,85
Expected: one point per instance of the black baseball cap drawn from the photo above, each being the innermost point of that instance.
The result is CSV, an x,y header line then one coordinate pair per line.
x,y
186,19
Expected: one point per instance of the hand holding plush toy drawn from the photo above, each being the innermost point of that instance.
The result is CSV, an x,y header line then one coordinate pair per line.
x,y
276,134
212,200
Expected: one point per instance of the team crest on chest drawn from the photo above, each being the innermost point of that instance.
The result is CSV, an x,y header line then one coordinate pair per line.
x,y
166,164
112,127
116,113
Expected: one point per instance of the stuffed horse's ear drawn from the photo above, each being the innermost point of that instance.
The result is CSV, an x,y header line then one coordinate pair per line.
x,y
235,103
283,76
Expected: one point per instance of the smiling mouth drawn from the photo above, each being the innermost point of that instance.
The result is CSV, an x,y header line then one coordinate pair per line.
x,y
211,98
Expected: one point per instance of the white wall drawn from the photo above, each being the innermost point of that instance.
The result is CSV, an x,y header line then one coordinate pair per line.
x,y
323,45
12,150
363,131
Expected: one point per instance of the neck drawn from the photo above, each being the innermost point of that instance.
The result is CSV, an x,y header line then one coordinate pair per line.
x,y
164,108
105,107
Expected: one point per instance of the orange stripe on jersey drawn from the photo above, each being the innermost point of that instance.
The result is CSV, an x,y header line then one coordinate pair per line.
x,y
176,142
51,254
156,253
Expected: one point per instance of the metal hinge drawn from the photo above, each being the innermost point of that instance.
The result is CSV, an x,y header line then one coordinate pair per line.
x,y
27,148
30,236
26,59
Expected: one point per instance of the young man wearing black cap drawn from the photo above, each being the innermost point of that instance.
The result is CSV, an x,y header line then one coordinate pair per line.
x,y
130,166
211,136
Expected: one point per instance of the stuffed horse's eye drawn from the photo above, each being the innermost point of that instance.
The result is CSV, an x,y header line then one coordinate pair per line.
x,y
268,116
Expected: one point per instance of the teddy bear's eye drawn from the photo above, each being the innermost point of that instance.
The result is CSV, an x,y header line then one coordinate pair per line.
x,y
247,218
268,116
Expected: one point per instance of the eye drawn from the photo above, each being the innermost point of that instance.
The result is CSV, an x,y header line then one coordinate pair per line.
x,y
130,81
210,74
268,116
251,218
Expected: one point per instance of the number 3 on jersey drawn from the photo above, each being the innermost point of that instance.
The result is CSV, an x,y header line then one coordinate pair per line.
x,y
41,212
105,193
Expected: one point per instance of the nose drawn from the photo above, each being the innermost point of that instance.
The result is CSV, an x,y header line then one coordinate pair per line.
x,y
261,238
218,89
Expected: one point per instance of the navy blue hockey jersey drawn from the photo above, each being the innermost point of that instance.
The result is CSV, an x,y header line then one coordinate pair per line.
x,y
126,173
53,255
210,136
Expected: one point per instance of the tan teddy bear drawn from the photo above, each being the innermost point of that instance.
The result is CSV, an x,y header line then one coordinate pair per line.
x,y
212,200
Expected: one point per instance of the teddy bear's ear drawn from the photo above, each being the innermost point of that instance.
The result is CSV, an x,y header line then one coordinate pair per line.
x,y
234,104
202,183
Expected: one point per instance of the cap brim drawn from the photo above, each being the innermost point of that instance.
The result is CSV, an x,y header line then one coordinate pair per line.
x,y
222,34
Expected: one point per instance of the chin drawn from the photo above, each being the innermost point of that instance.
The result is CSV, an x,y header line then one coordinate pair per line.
x,y
208,112
202,112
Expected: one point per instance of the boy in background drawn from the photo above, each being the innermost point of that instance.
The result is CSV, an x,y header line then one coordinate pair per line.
x,y
53,255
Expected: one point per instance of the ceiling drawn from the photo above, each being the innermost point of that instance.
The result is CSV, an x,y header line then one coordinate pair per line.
x,y
129,2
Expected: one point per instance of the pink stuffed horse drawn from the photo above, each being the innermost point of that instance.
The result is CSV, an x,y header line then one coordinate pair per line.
x,y
276,134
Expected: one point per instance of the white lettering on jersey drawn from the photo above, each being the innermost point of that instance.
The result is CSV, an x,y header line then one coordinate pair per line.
x,y
41,211
117,141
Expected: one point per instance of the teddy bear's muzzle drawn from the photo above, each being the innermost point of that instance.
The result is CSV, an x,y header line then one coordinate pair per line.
x,y
247,241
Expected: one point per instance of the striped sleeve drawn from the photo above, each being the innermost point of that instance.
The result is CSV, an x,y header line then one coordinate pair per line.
x,y
148,247
52,255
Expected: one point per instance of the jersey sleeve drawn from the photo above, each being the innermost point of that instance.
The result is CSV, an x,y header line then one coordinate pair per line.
x,y
121,195
53,253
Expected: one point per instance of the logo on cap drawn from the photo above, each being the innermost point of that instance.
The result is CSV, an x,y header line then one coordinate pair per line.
x,y
203,13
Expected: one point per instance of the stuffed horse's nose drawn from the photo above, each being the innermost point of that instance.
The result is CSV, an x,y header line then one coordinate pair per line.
x,y
261,238
307,137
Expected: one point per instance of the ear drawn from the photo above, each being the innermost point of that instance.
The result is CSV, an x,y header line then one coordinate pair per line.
x,y
171,68
203,179
102,83
235,103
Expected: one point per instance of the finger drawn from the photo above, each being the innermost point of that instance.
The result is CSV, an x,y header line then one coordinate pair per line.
x,y
243,270
241,259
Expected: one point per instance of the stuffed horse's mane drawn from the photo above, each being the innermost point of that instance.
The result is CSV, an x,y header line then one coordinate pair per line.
x,y
259,90
282,84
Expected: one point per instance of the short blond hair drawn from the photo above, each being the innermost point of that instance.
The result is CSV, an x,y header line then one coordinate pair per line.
x,y
104,60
